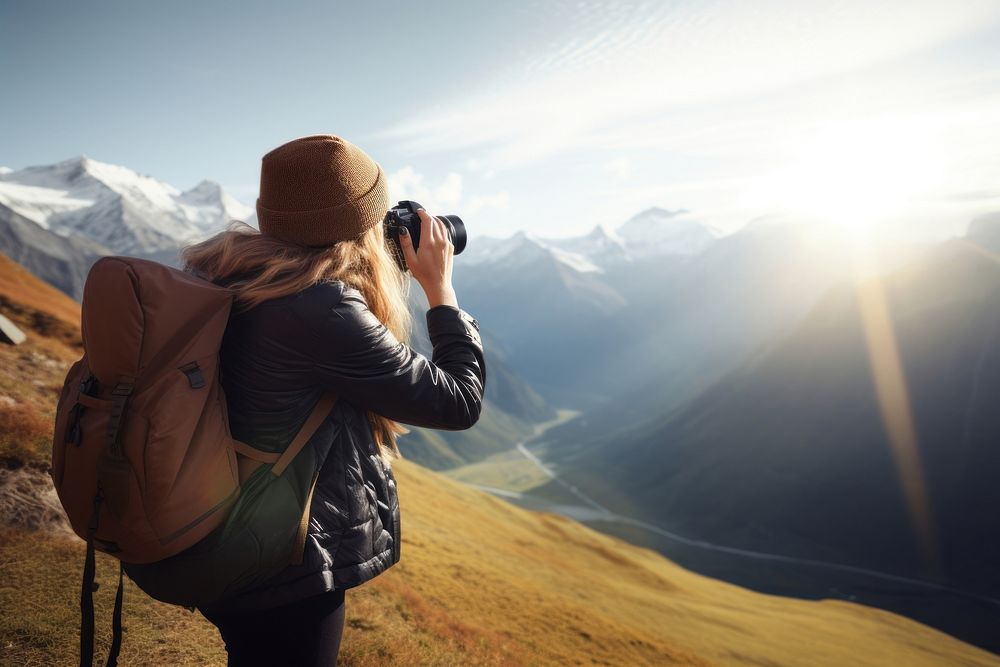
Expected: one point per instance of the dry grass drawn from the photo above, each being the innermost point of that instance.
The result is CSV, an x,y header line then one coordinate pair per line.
x,y
509,470
31,377
25,435
18,285
40,599
32,373
481,582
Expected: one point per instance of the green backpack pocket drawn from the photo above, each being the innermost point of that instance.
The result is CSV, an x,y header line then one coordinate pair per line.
x,y
259,538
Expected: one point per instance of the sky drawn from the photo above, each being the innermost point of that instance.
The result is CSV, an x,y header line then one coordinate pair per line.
x,y
549,117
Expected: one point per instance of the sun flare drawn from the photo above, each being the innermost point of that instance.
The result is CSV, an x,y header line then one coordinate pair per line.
x,y
853,176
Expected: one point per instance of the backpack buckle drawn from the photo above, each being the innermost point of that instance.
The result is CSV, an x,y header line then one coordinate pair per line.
x,y
194,375
119,405
74,433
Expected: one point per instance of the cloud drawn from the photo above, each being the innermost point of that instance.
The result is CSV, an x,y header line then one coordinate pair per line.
x,y
479,202
406,183
614,65
447,196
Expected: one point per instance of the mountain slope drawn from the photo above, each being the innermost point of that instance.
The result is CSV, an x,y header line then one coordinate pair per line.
x,y
544,311
626,596
645,328
791,454
511,407
491,584
32,373
129,213
556,301
659,232
20,285
481,582
60,261
58,219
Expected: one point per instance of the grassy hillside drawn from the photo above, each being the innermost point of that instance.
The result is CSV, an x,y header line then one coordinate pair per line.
x,y
481,582
495,431
484,582
18,284
32,373
768,455
792,453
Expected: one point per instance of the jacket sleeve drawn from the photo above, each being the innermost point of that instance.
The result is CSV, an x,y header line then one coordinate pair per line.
x,y
358,358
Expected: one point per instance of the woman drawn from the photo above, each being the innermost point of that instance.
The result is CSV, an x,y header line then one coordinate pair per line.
x,y
322,306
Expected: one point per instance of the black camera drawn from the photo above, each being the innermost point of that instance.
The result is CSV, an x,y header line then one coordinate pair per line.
x,y
405,214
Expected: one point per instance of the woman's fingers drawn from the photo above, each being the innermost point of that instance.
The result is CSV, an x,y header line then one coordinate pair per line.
x,y
443,227
439,235
437,230
426,226
406,243
432,229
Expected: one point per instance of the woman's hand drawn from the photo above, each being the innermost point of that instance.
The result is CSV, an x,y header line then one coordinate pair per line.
x,y
431,263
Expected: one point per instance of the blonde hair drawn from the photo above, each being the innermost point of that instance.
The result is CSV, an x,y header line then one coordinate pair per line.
x,y
284,268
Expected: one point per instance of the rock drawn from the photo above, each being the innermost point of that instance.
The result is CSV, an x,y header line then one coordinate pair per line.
x,y
9,333
29,501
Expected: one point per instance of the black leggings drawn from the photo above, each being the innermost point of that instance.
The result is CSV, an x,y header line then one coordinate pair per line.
x,y
305,633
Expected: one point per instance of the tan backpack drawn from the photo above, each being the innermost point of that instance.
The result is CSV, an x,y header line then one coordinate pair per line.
x,y
142,458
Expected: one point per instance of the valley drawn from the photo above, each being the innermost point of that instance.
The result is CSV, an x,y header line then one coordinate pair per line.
x,y
966,615
495,584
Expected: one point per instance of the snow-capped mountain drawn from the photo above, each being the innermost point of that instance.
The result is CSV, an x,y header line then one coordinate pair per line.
x,y
655,232
523,248
659,232
596,250
127,212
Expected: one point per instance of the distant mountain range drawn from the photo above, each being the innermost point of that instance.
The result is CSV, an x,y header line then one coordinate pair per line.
x,y
789,452
57,220
654,310
653,233
126,212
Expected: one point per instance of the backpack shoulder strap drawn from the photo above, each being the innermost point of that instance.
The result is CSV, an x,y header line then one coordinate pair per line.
x,y
319,413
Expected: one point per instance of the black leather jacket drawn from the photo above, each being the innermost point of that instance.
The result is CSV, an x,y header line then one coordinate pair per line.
x,y
279,357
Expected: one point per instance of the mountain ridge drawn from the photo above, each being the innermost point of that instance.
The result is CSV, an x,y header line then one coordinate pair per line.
x,y
128,212
789,451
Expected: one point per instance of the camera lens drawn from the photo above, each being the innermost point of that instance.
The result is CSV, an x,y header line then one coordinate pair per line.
x,y
456,230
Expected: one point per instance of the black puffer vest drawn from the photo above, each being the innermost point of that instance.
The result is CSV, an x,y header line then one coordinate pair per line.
x,y
280,356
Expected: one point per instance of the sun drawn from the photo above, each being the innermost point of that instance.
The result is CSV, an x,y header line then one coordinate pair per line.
x,y
852,176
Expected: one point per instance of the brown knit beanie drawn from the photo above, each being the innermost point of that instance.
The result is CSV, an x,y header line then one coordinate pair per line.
x,y
320,189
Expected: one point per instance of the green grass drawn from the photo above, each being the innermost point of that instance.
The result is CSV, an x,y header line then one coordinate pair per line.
x,y
509,470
